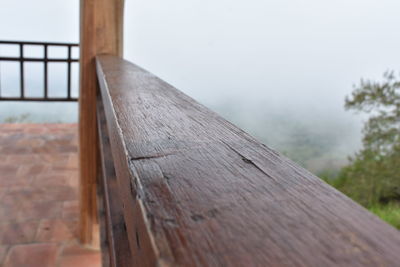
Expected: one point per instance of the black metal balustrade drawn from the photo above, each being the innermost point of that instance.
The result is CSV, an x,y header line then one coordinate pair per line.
x,y
45,59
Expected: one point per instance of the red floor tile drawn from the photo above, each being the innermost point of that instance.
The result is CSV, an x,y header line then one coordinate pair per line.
x,y
32,255
39,205
70,209
78,256
12,233
57,230
3,252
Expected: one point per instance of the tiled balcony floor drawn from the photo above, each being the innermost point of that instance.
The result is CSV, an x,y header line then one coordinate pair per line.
x,y
39,197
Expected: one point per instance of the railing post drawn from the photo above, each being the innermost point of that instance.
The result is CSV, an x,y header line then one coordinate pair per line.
x,y
101,33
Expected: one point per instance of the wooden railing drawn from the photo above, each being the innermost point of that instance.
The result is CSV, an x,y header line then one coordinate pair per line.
x,y
181,186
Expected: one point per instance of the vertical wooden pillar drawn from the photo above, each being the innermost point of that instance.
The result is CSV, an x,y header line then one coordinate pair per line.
x,y
101,32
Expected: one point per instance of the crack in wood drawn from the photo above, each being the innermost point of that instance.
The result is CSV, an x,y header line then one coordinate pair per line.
x,y
151,156
248,160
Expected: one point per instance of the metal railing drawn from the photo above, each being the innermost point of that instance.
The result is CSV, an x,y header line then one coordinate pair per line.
x,y
45,60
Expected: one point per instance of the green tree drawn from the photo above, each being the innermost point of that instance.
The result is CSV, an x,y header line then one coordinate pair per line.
x,y
373,175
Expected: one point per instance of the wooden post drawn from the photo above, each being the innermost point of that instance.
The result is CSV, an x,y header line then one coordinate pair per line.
x,y
101,33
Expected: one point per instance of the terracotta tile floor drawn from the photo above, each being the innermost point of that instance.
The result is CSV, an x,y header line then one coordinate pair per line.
x,y
39,197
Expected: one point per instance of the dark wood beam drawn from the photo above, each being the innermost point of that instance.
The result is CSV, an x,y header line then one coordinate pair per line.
x,y
198,191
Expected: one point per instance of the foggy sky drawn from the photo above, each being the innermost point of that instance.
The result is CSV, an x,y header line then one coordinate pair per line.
x,y
306,53
276,50
254,58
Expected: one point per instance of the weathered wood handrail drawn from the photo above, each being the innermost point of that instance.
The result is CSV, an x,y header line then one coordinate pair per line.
x,y
115,246
198,191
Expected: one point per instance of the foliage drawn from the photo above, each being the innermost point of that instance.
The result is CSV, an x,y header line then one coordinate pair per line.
x,y
389,213
17,119
373,176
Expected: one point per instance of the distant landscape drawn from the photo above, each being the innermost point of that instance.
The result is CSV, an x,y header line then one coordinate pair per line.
x,y
320,144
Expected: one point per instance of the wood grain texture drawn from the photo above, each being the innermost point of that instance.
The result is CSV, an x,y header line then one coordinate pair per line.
x,y
116,249
101,32
198,191
102,218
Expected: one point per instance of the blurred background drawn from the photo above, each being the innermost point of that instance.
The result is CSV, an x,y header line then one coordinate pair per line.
x,y
279,69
